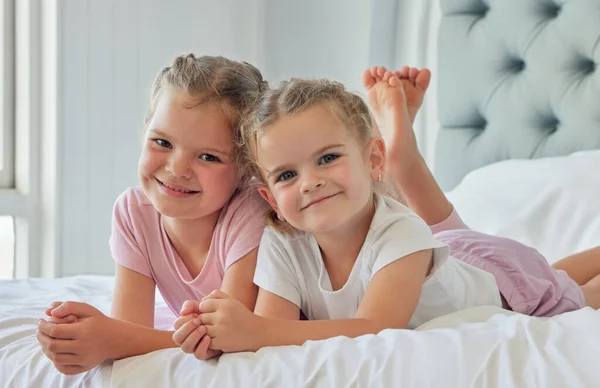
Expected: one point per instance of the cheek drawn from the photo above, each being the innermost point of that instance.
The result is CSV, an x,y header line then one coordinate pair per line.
x,y
149,161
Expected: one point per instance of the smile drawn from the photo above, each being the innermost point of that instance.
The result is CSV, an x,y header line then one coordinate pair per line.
x,y
319,201
174,191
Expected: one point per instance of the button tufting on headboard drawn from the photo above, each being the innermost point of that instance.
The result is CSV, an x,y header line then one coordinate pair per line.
x,y
551,10
520,82
587,66
515,65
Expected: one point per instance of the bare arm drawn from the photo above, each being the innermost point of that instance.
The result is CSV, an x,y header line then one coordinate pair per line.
x,y
274,306
133,316
403,277
238,280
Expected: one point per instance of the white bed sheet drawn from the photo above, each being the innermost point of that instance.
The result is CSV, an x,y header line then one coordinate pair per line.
x,y
482,347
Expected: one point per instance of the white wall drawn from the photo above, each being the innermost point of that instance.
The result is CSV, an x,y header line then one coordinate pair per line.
x,y
110,50
109,53
316,38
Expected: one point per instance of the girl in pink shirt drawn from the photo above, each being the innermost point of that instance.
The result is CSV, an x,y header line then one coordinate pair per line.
x,y
192,226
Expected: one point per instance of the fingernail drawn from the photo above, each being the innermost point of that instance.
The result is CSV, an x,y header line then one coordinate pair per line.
x,y
197,321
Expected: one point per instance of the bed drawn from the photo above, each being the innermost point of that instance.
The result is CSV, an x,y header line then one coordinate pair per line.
x,y
519,139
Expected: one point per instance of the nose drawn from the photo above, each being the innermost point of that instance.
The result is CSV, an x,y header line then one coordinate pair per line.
x,y
179,166
311,181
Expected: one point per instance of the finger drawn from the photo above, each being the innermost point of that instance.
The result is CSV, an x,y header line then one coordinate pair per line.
x,y
217,294
56,346
209,306
202,351
189,307
183,320
53,305
80,310
68,319
68,359
184,331
191,341
208,319
368,80
60,331
70,369
412,74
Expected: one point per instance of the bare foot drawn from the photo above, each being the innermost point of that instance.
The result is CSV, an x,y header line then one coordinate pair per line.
x,y
388,101
415,82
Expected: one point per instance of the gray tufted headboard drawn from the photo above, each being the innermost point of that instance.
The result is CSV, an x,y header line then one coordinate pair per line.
x,y
517,79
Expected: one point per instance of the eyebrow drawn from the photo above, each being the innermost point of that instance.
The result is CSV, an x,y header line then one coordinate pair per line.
x,y
316,153
160,133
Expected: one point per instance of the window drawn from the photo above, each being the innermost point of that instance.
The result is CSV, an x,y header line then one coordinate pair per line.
x,y
7,247
7,127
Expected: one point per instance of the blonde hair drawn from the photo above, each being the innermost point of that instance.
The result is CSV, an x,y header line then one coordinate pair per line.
x,y
237,86
293,97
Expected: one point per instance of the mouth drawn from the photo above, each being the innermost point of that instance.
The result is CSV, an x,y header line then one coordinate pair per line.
x,y
319,201
176,191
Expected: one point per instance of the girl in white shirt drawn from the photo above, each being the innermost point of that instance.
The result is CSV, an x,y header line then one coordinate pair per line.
x,y
352,261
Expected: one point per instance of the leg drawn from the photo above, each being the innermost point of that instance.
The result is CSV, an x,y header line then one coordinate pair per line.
x,y
406,171
591,292
581,267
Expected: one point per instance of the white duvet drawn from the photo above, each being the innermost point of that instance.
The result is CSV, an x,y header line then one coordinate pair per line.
x,y
482,347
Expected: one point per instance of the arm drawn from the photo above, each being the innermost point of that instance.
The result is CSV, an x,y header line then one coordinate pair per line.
x,y
237,281
233,328
274,306
403,277
133,313
93,337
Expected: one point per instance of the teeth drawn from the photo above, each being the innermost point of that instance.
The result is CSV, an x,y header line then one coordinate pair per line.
x,y
179,190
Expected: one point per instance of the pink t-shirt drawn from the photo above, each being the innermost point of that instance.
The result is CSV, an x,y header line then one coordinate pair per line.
x,y
139,242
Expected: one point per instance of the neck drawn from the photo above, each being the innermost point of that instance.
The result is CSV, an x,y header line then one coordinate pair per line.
x,y
191,238
345,243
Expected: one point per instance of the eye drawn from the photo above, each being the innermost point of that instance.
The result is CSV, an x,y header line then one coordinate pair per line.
x,y
163,143
286,176
209,158
326,159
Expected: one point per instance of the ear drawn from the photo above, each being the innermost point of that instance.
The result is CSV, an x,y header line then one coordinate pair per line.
x,y
264,192
377,157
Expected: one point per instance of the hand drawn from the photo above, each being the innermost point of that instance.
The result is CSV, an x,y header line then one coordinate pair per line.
x,y
190,334
230,325
78,346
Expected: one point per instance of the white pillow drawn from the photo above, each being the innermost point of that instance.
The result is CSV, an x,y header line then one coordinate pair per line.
x,y
551,204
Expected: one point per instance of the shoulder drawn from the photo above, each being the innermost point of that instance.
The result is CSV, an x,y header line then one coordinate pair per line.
x,y
392,215
133,203
285,246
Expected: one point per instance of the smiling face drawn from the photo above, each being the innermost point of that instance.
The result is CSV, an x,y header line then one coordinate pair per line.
x,y
185,167
318,173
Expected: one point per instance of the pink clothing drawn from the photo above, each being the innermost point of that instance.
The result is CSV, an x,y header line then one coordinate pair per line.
x,y
139,242
527,283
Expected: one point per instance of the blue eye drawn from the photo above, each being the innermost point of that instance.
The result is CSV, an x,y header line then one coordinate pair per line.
x,y
326,159
209,158
163,143
286,176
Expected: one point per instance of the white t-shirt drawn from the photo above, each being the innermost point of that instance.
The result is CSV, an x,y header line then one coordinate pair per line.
x,y
291,266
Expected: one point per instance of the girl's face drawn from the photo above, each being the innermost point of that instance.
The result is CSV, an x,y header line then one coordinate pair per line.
x,y
185,167
319,175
